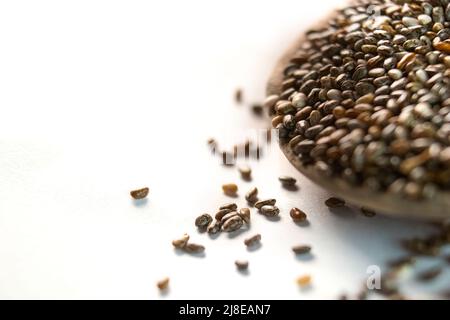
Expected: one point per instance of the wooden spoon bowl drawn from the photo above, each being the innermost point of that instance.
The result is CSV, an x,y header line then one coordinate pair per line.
x,y
382,202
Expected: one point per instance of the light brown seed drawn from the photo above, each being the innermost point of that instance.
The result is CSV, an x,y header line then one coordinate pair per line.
x,y
268,202
203,221
244,213
229,206
246,172
443,46
411,163
249,242
232,224
181,243
252,195
297,215
139,194
301,249
287,181
407,59
270,211
368,212
230,189
194,248
163,284
241,265
334,202
304,281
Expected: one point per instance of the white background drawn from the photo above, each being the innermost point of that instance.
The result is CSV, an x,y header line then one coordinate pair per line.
x,y
100,97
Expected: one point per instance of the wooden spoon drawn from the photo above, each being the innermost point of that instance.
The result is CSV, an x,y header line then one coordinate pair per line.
x,y
383,202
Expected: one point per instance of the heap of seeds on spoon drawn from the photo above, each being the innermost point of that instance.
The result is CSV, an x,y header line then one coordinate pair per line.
x,y
367,97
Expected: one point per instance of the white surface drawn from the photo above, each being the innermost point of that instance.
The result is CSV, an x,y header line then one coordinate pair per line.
x,y
100,97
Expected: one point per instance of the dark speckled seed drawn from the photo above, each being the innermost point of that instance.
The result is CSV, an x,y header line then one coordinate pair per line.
x,y
363,88
334,94
314,118
334,203
304,147
360,72
270,211
382,81
308,86
385,50
312,132
389,63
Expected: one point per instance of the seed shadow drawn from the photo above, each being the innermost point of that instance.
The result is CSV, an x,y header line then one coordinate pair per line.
x,y
140,202
303,224
344,212
237,233
244,273
214,236
247,179
273,219
233,196
164,293
305,289
254,247
251,204
291,188
304,257
180,252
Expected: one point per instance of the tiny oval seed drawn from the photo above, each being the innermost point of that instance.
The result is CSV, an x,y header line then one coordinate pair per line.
x,y
214,227
181,243
228,216
221,213
270,211
241,265
230,189
287,181
232,224
368,212
297,215
238,95
429,275
229,206
244,213
140,193
252,195
302,249
203,221
304,281
194,248
246,172
252,240
163,284
268,202
335,203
